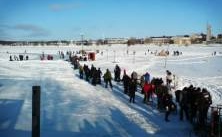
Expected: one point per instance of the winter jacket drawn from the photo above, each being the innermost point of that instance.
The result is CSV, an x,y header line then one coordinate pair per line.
x,y
132,86
80,69
147,88
107,75
126,79
117,70
147,77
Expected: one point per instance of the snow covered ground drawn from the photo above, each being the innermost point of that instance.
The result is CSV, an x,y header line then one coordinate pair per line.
x,y
73,107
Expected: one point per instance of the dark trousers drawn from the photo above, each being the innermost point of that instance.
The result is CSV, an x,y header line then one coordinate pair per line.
x,y
110,83
132,97
99,80
94,81
87,77
203,116
81,75
147,97
160,103
117,77
184,109
126,88
167,115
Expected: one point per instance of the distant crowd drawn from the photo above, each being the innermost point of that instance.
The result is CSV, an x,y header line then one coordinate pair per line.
x,y
18,58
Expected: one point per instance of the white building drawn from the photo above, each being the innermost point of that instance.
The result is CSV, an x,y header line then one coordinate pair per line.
x,y
116,40
208,32
180,40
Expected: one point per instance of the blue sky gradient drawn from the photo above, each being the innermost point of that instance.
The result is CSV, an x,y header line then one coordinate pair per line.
x,y
67,19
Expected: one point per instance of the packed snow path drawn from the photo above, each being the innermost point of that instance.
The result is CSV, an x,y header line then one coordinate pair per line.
x,y
73,107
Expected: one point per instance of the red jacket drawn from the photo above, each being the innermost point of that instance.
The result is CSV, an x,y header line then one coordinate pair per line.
x,y
147,88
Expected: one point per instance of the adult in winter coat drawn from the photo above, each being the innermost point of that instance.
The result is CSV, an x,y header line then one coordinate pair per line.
x,y
117,72
194,103
148,89
126,81
10,58
92,70
94,77
81,71
169,78
132,90
206,101
183,102
177,95
87,72
169,105
147,77
99,73
107,78
142,82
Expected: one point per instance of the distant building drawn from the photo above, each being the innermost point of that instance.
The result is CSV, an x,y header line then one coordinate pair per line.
x,y
208,33
161,40
147,40
134,41
198,38
158,40
116,40
182,40
219,38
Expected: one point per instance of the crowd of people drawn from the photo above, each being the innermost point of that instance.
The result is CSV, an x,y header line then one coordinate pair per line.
x,y
177,53
193,102
18,58
132,84
44,57
94,75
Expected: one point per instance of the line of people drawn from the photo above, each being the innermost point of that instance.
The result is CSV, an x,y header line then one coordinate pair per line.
x,y
94,75
191,100
130,85
20,58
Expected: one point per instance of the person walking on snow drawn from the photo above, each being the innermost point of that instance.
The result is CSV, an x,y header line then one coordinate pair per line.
x,y
107,78
126,81
99,73
142,82
169,106
81,72
132,90
148,89
169,79
117,72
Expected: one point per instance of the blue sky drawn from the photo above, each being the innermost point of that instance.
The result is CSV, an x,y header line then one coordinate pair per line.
x,y
67,19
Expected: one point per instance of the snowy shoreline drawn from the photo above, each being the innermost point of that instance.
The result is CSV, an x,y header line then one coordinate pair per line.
x,y
73,107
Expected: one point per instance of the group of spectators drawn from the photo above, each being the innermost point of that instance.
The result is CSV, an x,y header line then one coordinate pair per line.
x,y
18,58
194,102
177,53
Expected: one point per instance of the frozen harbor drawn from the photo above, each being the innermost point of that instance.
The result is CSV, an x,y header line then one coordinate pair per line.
x,y
73,107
